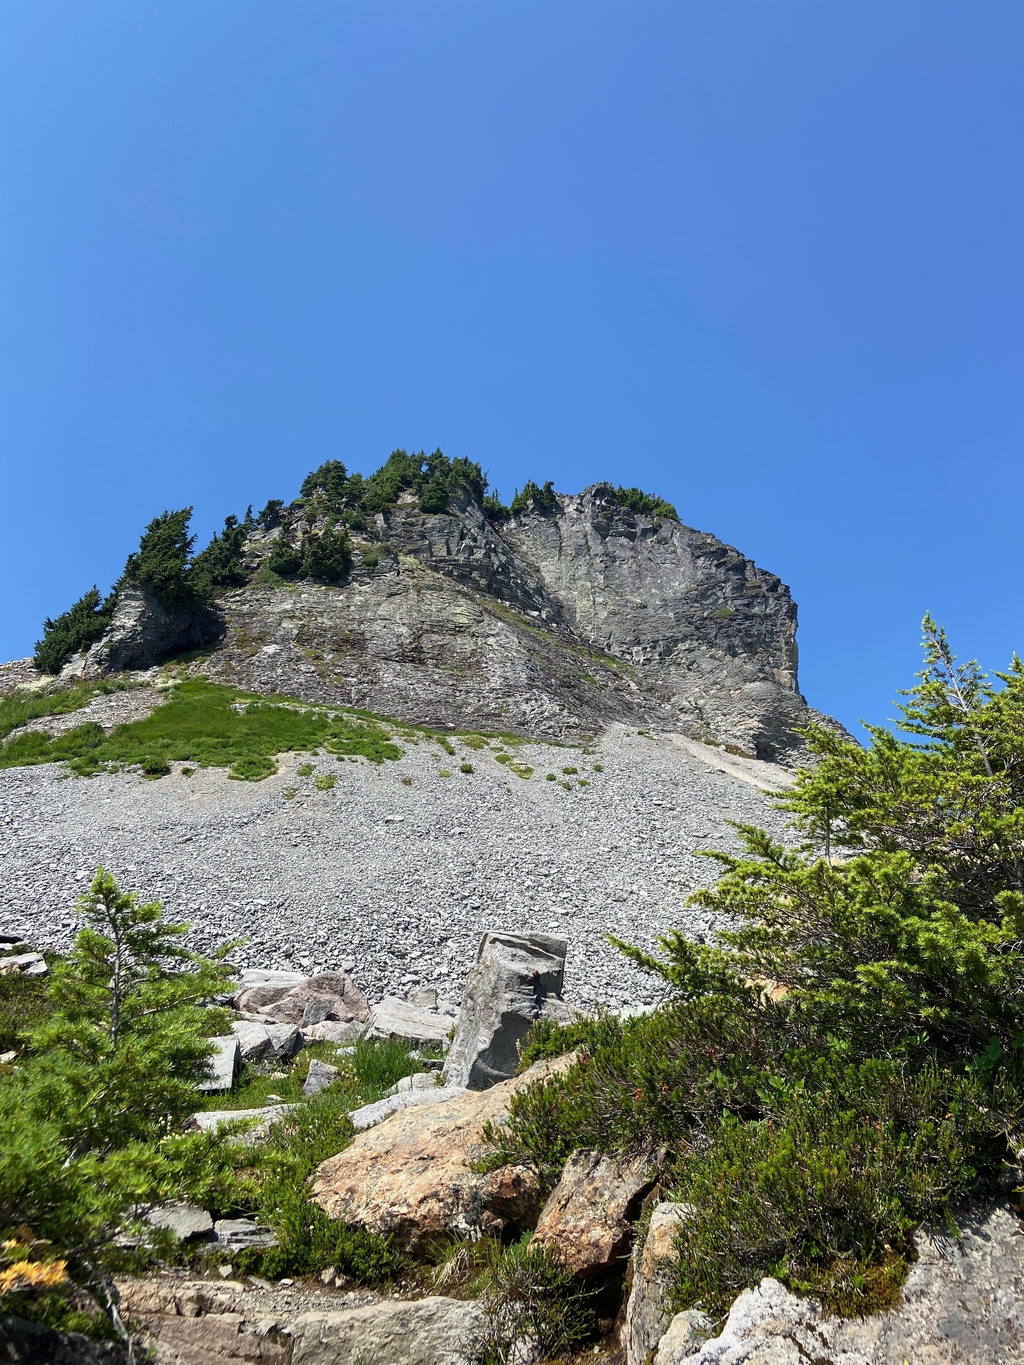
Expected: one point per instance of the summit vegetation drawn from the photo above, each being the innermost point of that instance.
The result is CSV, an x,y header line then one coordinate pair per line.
x,y
312,539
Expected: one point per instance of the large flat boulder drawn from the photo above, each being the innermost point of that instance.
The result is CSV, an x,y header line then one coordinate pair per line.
x,y
431,1331
588,1218
963,1304
412,1175
394,1018
515,979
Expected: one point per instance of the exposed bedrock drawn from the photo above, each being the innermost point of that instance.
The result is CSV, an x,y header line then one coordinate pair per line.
x,y
553,624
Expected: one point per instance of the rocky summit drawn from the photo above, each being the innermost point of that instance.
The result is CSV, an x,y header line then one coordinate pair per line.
x,y
573,613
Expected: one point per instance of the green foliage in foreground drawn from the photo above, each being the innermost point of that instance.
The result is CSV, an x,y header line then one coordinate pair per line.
x,y
813,1128
212,726
90,1116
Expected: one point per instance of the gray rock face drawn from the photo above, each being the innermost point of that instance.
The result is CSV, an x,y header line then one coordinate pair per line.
x,y
142,633
431,1331
371,1114
553,625
963,1304
235,1234
511,982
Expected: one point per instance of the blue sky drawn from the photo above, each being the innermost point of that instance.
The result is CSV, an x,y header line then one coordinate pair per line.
x,y
764,259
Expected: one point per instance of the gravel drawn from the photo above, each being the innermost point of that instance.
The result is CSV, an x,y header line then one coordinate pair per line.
x,y
393,882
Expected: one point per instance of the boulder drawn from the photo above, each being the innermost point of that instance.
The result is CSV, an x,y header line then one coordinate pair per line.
x,y
963,1301
318,1077
258,1120
370,1114
188,1223
412,1175
510,983
419,1080
223,1065
588,1218
394,1018
431,1331
28,964
266,1042
423,997
287,1002
331,1031
647,1314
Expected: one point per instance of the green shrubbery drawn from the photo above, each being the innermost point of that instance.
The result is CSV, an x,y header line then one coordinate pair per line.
x,y
207,724
848,1058
75,630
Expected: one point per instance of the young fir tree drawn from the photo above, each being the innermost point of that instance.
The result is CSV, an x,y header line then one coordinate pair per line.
x,y
74,630
163,562
91,1119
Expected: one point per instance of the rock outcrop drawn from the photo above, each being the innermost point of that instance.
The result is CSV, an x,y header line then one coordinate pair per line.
x,y
648,1316
412,1176
963,1304
551,624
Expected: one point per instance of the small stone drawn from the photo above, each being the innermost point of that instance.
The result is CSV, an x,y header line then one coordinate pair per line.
x,y
319,1077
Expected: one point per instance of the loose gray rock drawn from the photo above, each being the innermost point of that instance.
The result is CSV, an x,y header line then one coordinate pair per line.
x,y
186,1221
258,1120
223,1065
511,982
370,1114
394,1018
235,1234
330,1031
266,1042
319,1077
419,1080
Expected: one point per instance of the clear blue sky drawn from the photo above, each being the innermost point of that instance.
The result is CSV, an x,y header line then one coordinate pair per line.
x,y
764,259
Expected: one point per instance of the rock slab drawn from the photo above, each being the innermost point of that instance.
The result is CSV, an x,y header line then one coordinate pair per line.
x,y
431,1331
223,1064
513,979
394,1018
647,1314
588,1218
412,1174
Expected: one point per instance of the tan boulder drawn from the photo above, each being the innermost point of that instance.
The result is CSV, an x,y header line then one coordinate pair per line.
x,y
412,1175
589,1216
334,992
647,1312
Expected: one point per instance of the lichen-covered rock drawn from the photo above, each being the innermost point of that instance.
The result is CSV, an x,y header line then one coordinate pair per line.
x,y
647,1313
510,984
588,1219
412,1176
963,1304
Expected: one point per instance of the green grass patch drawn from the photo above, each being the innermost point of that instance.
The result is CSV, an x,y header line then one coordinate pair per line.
x,y
325,782
212,726
305,770
22,706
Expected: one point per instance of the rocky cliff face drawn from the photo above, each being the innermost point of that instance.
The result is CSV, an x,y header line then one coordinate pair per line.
x,y
553,624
